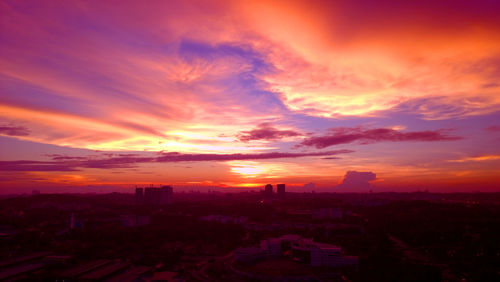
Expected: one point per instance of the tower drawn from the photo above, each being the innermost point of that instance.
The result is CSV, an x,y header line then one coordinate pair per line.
x,y
268,192
281,190
166,194
139,195
72,221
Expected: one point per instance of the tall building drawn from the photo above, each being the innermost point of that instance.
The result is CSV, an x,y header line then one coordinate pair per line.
x,y
281,190
72,221
166,195
151,195
268,190
157,196
148,195
139,195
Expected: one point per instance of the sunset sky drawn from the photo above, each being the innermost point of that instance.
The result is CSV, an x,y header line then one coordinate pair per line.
x,y
404,95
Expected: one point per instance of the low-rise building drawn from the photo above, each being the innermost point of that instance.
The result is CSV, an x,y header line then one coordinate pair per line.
x,y
327,213
225,219
249,254
135,220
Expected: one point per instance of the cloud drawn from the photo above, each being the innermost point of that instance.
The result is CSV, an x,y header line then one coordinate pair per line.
x,y
58,157
493,128
158,71
357,180
354,59
35,166
309,186
343,135
14,130
266,131
65,163
477,159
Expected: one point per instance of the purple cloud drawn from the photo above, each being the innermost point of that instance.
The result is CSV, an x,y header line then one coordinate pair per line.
x,y
266,131
357,180
493,128
178,157
14,130
57,157
344,135
63,163
35,166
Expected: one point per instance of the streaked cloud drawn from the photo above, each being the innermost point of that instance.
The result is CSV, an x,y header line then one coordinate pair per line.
x,y
13,130
493,128
110,161
337,136
477,159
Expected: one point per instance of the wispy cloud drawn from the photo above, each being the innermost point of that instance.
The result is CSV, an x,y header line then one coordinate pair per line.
x,y
476,159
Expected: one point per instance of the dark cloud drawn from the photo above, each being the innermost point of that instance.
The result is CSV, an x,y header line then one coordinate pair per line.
x,y
178,157
343,135
57,157
65,163
493,128
14,130
357,180
35,166
266,131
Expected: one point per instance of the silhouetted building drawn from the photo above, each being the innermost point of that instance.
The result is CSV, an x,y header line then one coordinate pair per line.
x,y
249,254
151,195
73,223
268,190
166,195
158,196
139,195
324,213
281,190
135,220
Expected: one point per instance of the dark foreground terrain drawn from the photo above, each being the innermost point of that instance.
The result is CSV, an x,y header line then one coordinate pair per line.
x,y
200,236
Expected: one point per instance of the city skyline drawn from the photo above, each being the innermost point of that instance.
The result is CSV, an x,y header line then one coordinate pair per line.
x,y
337,96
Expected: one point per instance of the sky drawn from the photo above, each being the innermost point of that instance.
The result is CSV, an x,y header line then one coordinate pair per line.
x,y
340,96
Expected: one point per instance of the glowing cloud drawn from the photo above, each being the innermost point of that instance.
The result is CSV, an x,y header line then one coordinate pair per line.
x,y
237,84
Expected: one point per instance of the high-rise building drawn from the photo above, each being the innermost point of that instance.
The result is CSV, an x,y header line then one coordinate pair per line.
x,y
72,221
157,196
139,195
268,190
281,190
151,195
166,195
